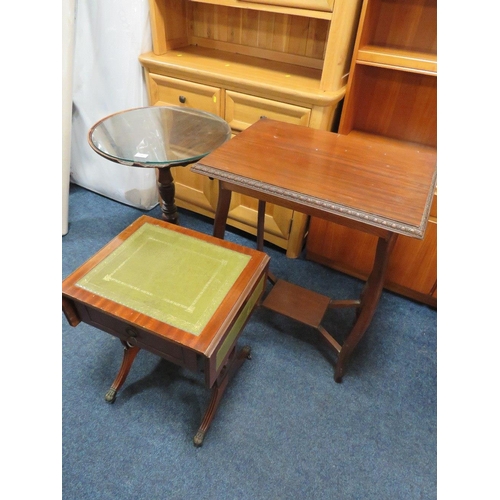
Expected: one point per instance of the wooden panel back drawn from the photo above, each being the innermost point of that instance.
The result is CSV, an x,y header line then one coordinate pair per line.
x,y
396,104
168,24
409,25
281,33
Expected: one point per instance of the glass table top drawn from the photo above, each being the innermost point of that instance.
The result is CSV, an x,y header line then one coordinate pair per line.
x,y
158,136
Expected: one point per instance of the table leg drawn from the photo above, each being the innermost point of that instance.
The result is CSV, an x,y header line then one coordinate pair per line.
x,y
166,188
261,216
369,299
221,212
129,354
234,363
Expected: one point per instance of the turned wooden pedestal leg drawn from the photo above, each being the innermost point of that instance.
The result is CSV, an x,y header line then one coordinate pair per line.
x,y
166,188
129,354
234,363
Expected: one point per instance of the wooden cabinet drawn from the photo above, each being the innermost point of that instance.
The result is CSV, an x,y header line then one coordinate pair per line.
x,y
284,59
392,91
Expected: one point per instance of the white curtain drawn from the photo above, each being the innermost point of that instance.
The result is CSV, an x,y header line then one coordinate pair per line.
x,y
107,78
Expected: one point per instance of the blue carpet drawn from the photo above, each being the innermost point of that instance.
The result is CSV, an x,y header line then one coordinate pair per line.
x,y
284,430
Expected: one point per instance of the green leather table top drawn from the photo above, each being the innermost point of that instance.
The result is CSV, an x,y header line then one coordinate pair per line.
x,y
175,278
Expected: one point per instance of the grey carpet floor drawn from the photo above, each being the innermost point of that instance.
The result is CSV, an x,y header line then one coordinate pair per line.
x,y
284,430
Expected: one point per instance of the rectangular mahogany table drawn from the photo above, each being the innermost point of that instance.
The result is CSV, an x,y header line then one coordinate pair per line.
x,y
177,293
374,184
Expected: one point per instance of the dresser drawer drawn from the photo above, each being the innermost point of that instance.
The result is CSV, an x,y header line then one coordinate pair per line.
x,y
166,91
242,110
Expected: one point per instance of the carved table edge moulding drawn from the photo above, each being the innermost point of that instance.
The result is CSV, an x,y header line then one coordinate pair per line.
x,y
313,202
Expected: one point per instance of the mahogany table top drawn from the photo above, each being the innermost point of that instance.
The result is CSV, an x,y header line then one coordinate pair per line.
x,y
372,180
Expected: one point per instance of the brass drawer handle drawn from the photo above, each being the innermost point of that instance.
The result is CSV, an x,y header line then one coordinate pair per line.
x,y
132,340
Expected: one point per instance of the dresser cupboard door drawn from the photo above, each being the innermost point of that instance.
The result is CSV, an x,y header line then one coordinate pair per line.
x,y
280,224
192,191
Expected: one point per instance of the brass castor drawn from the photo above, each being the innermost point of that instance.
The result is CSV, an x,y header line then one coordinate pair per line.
x,y
198,439
110,396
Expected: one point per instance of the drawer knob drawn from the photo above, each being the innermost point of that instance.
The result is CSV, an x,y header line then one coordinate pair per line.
x,y
182,99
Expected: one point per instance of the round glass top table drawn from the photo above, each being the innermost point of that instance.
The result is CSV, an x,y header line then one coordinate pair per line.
x,y
159,137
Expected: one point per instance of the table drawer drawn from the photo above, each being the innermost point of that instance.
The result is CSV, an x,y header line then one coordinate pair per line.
x,y
166,91
137,336
242,110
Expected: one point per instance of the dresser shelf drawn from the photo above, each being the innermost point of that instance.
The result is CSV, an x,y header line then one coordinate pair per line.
x,y
323,10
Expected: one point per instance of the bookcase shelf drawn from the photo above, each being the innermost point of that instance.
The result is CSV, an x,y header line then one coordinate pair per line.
x,y
391,92
402,60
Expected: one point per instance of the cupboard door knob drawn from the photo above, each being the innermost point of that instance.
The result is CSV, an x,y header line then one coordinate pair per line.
x,y
182,99
263,116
